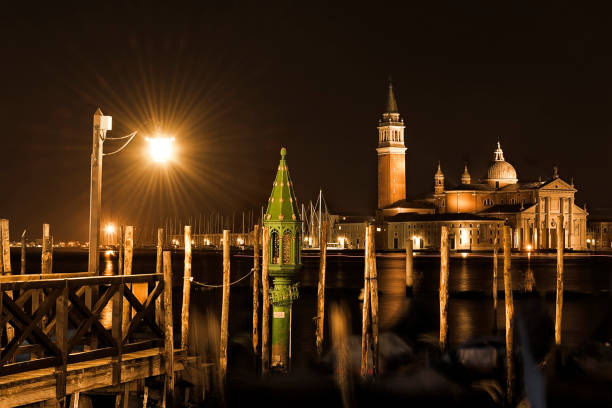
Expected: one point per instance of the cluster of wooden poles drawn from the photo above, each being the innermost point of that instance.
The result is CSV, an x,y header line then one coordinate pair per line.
x,y
370,294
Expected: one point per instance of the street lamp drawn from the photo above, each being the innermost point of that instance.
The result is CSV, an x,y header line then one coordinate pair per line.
x,y
161,151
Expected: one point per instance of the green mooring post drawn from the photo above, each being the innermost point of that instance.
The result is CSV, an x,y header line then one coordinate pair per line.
x,y
283,221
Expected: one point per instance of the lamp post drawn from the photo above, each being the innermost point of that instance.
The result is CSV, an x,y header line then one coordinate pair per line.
x,y
161,152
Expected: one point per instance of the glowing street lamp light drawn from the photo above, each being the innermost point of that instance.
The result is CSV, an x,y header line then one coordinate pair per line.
x,y
160,148
110,228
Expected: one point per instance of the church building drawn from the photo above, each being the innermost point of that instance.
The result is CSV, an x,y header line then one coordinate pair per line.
x,y
474,210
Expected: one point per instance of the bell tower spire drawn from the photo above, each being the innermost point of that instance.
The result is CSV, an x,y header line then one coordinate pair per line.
x,y
391,154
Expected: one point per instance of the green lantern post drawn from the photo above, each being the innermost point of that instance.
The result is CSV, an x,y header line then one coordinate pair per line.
x,y
283,221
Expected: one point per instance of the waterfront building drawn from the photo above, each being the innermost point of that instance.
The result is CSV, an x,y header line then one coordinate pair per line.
x,y
599,234
474,209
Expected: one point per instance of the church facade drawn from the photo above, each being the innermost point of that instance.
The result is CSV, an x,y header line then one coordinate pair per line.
x,y
473,210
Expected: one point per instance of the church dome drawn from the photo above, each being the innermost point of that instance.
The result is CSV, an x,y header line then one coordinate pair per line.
x,y
501,172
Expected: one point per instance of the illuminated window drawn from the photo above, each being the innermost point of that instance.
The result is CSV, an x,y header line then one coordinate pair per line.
x,y
287,247
275,247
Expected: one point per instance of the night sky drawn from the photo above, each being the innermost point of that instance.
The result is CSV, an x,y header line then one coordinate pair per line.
x,y
235,82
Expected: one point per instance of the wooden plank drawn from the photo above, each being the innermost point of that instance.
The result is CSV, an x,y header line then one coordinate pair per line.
x,y
37,277
25,320
186,288
40,385
117,331
61,340
142,311
168,326
225,306
9,350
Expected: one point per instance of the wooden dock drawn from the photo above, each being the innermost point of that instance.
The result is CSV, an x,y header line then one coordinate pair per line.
x,y
55,344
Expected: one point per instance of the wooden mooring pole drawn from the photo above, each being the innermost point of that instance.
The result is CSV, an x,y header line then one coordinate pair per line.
x,y
158,269
559,301
168,330
23,252
321,288
225,307
186,288
373,299
265,313
255,289
494,283
509,303
365,314
5,246
444,255
128,251
46,255
409,264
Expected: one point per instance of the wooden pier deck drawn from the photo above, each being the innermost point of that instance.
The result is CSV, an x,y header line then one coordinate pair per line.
x,y
53,342
40,385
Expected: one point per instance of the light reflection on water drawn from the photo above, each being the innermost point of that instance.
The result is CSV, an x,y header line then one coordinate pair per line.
x,y
139,289
587,284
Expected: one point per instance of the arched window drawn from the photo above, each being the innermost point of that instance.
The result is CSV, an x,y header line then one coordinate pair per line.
x,y
287,247
275,247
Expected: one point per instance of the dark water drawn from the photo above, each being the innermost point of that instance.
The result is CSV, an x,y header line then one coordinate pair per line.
x,y
586,313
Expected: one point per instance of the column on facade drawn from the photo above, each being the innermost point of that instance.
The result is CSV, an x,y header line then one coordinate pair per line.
x,y
571,223
562,219
536,228
520,225
547,222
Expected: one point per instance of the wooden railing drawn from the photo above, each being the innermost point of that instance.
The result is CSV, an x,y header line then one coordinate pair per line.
x,y
55,322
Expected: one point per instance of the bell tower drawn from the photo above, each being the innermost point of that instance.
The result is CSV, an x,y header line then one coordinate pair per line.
x,y
391,154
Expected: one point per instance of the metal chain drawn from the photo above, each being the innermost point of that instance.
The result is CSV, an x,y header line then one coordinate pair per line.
x,y
204,285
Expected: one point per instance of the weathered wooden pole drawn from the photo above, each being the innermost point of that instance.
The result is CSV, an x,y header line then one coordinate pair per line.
x,y
186,288
365,314
494,286
168,328
6,247
45,266
409,264
158,269
373,299
23,252
225,306
559,302
265,312
444,255
321,288
340,334
509,313
128,251
255,289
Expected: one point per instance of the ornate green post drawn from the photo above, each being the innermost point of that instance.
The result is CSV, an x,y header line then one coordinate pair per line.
x,y
283,221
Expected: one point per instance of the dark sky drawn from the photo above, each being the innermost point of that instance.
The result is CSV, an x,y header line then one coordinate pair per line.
x,y
235,82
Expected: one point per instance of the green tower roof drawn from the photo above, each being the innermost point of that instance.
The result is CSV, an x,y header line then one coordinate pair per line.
x,y
391,104
282,205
